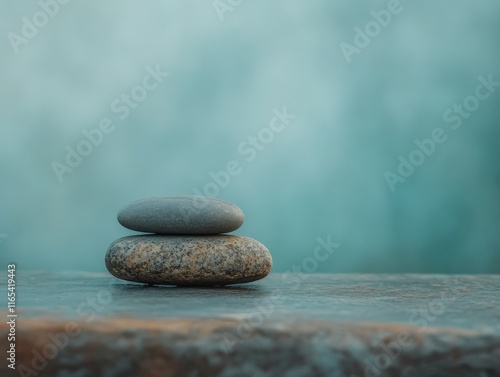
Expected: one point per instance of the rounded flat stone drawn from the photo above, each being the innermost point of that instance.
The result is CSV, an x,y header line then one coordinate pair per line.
x,y
188,260
181,215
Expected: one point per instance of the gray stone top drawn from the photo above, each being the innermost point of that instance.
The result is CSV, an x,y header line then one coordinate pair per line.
x,y
181,215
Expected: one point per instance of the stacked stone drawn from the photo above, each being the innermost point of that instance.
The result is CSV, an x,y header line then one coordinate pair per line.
x,y
188,247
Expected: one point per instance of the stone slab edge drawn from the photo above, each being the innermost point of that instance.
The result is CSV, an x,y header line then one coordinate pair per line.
x,y
119,346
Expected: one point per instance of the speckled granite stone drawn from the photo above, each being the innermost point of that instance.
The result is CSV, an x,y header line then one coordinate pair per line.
x,y
181,215
188,260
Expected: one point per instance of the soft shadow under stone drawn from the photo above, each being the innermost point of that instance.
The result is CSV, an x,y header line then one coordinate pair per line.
x,y
470,302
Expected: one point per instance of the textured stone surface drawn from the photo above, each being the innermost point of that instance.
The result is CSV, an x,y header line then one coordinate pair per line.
x,y
188,260
181,215
309,325
178,348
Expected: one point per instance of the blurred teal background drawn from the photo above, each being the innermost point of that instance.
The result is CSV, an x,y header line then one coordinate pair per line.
x,y
322,175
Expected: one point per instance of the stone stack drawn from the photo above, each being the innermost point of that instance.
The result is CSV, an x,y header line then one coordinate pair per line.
x,y
188,247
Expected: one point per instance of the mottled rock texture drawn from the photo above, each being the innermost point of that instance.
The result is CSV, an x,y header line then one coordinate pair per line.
x,y
188,260
181,215
121,347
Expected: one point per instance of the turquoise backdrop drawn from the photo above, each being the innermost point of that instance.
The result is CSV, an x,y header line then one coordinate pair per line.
x,y
389,146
